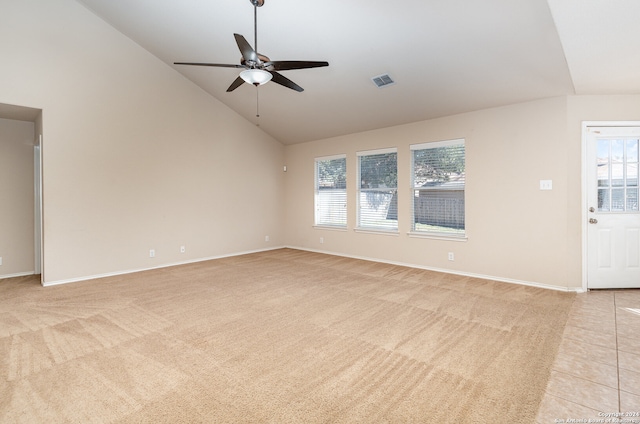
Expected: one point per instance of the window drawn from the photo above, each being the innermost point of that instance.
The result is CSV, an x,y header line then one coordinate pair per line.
x,y
438,184
377,191
617,175
331,191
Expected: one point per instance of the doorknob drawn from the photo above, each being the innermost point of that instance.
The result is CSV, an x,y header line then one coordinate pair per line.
x,y
593,221
592,209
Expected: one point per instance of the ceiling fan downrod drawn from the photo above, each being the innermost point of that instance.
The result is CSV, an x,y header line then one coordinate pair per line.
x,y
256,4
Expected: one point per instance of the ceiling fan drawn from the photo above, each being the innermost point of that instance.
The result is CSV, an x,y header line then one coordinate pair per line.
x,y
259,69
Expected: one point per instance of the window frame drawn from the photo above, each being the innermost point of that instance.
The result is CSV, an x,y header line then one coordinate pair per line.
x,y
453,236
316,194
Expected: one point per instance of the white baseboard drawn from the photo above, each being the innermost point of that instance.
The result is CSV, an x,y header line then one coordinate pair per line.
x,y
449,271
20,274
168,265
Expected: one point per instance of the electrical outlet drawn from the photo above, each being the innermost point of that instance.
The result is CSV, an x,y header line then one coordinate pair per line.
x,y
0,260
450,256
152,253
321,240
546,184
266,238
183,249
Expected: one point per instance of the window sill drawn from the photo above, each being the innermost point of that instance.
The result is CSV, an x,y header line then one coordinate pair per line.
x,y
329,227
437,236
377,231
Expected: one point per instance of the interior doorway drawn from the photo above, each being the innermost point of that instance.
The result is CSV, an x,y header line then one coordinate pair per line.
x,y
611,219
23,251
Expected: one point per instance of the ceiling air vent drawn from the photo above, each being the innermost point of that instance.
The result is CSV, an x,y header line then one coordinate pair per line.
x,y
382,80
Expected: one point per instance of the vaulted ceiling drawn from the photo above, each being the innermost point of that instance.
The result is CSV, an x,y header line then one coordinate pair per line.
x,y
446,56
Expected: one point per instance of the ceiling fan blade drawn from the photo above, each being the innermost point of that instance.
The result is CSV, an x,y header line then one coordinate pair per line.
x,y
218,65
282,80
284,65
235,84
247,52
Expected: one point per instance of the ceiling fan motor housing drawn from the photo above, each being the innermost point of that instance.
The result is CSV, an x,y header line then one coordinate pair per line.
x,y
257,3
263,62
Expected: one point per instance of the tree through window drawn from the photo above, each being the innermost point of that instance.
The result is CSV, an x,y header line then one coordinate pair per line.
x,y
438,184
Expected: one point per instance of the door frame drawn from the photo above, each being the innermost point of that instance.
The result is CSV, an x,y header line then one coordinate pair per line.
x,y
37,174
584,203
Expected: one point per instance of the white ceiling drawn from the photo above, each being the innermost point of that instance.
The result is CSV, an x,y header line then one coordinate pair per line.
x,y
447,56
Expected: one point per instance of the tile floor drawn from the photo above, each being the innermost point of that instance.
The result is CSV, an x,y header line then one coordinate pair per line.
x,y
597,371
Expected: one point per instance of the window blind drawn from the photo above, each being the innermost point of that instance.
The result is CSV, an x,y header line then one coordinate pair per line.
x,y
377,190
331,191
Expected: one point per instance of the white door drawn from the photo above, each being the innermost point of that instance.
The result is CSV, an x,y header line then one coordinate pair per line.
x,y
613,218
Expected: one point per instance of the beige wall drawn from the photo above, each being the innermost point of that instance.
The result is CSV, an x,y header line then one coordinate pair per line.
x,y
135,157
16,198
515,231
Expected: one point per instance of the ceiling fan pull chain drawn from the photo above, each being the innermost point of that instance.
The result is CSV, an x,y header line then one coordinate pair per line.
x,y
257,106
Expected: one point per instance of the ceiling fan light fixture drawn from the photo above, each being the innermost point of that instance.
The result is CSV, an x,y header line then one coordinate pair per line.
x,y
256,76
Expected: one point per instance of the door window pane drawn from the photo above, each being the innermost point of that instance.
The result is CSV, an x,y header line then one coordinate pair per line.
x,y
603,175
603,200
617,174
603,151
632,175
632,199
617,200
617,150
632,150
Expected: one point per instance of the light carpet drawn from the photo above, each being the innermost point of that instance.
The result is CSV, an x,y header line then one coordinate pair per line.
x,y
284,336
